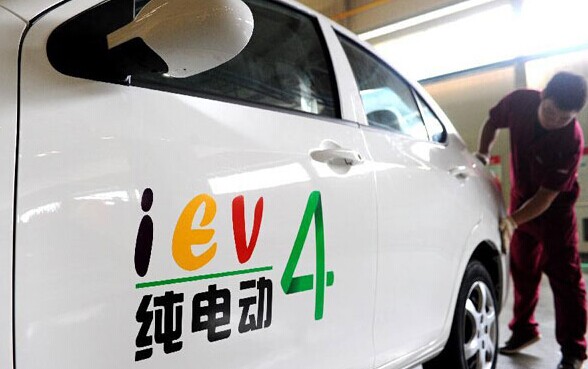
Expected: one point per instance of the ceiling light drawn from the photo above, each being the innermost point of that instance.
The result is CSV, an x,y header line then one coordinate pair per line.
x,y
420,19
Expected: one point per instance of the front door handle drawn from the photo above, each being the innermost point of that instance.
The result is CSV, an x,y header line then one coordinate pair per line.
x,y
330,152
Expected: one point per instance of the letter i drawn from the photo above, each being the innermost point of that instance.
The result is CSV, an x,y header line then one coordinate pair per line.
x,y
144,242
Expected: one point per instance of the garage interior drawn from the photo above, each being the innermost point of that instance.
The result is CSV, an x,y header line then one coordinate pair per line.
x,y
468,55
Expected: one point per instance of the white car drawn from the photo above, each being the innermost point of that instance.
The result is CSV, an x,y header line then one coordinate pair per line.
x,y
227,184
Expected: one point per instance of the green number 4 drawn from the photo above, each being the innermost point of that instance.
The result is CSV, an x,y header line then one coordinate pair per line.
x,y
291,284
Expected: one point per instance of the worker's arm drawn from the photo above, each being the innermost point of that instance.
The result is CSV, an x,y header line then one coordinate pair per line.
x,y
535,206
488,136
530,210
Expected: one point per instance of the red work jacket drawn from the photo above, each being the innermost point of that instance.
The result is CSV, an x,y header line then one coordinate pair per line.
x,y
539,158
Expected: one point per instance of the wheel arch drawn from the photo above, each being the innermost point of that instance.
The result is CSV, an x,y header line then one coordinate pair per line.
x,y
490,257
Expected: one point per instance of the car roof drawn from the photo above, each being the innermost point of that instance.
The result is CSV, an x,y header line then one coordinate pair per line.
x,y
27,9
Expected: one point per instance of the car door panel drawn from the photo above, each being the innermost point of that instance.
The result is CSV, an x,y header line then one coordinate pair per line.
x,y
422,241
107,169
425,213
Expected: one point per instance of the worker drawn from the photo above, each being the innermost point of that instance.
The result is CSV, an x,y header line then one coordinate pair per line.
x,y
546,144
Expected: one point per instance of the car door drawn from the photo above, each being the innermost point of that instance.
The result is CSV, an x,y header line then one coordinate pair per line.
x,y
425,212
12,28
191,222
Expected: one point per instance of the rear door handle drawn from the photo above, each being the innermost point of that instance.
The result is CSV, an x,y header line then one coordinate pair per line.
x,y
330,152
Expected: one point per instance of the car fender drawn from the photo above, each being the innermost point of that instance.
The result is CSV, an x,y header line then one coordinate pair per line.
x,y
484,234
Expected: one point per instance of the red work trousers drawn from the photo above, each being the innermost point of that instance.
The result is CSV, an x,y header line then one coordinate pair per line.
x,y
549,244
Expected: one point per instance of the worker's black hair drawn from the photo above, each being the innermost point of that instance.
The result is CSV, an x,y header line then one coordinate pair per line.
x,y
567,90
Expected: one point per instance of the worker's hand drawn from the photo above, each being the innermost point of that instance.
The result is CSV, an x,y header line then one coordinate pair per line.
x,y
507,228
484,158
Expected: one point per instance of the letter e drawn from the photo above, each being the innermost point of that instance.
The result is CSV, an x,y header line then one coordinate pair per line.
x,y
185,236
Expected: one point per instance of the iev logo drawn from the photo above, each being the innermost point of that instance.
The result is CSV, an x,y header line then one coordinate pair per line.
x,y
185,236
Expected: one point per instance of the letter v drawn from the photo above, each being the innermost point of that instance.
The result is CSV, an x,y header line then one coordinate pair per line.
x,y
245,251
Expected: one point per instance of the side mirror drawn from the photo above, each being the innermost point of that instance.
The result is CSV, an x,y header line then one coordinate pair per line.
x,y
190,36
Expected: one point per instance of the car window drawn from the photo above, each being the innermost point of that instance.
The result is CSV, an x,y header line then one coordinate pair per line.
x,y
387,100
285,65
78,46
434,126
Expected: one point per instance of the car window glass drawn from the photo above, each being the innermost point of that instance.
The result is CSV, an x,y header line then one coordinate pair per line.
x,y
78,46
285,65
387,100
434,126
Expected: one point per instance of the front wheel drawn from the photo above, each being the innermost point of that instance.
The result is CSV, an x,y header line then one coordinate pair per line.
x,y
473,340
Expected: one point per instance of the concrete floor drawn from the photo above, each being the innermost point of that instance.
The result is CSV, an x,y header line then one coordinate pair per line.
x,y
543,354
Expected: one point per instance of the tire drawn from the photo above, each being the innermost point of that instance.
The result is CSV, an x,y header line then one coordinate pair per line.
x,y
473,341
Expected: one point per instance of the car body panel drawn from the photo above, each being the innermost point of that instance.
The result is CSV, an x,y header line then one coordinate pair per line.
x,y
407,333
412,259
89,150
12,29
